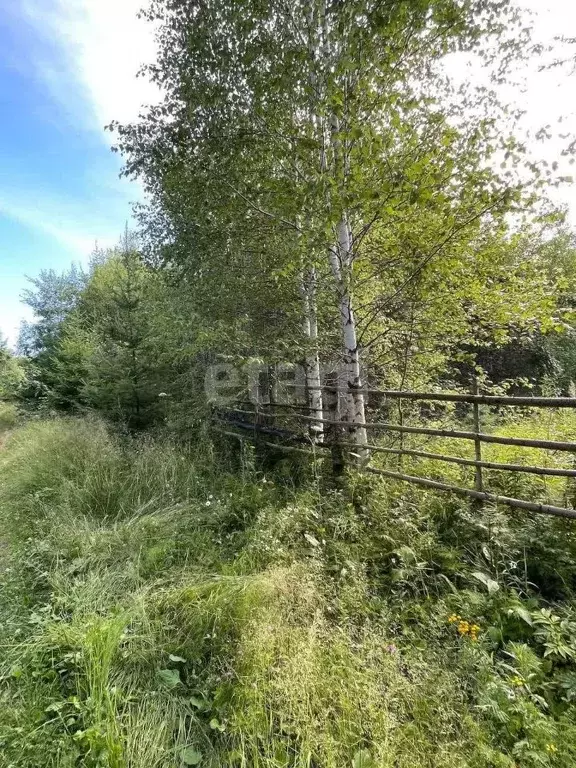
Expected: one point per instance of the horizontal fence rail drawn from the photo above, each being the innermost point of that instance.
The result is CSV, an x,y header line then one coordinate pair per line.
x,y
546,509
469,462
450,397
319,439
554,445
277,446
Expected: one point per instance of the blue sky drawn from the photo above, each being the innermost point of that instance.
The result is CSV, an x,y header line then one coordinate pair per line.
x,y
67,68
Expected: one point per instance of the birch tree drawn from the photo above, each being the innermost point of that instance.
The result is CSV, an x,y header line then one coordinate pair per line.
x,y
314,150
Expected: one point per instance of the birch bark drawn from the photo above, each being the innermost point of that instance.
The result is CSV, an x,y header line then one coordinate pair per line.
x,y
312,362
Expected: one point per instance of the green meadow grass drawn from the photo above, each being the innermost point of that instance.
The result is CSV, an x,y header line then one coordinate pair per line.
x,y
160,607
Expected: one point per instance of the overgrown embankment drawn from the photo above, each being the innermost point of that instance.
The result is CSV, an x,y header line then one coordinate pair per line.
x,y
160,608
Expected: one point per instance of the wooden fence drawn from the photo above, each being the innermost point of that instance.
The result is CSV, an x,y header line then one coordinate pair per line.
x,y
272,425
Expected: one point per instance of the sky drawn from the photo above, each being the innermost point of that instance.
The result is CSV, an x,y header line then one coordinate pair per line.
x,y
67,69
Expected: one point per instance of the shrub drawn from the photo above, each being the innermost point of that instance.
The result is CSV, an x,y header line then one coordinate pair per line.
x,y
8,416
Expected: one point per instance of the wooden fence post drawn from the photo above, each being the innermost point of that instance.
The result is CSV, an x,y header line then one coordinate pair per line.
x,y
336,448
272,387
478,484
401,441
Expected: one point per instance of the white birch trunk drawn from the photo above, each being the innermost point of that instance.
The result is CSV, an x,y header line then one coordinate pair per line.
x,y
312,361
341,262
352,402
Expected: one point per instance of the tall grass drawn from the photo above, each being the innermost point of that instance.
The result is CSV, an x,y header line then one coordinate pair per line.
x,y
158,610
8,416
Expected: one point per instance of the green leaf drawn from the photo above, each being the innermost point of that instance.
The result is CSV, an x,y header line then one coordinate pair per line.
x,y
216,725
200,703
449,584
191,756
521,613
491,585
170,678
177,659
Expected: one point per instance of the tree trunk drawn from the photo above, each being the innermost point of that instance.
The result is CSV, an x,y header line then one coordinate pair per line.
x,y
352,402
312,361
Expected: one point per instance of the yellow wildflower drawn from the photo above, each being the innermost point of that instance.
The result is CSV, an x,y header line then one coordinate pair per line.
x,y
464,627
551,748
517,681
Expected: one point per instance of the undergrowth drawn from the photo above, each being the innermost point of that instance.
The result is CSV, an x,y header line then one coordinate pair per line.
x,y
8,416
162,606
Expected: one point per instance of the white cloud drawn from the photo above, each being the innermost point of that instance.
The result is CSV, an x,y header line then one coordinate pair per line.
x,y
102,45
60,221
